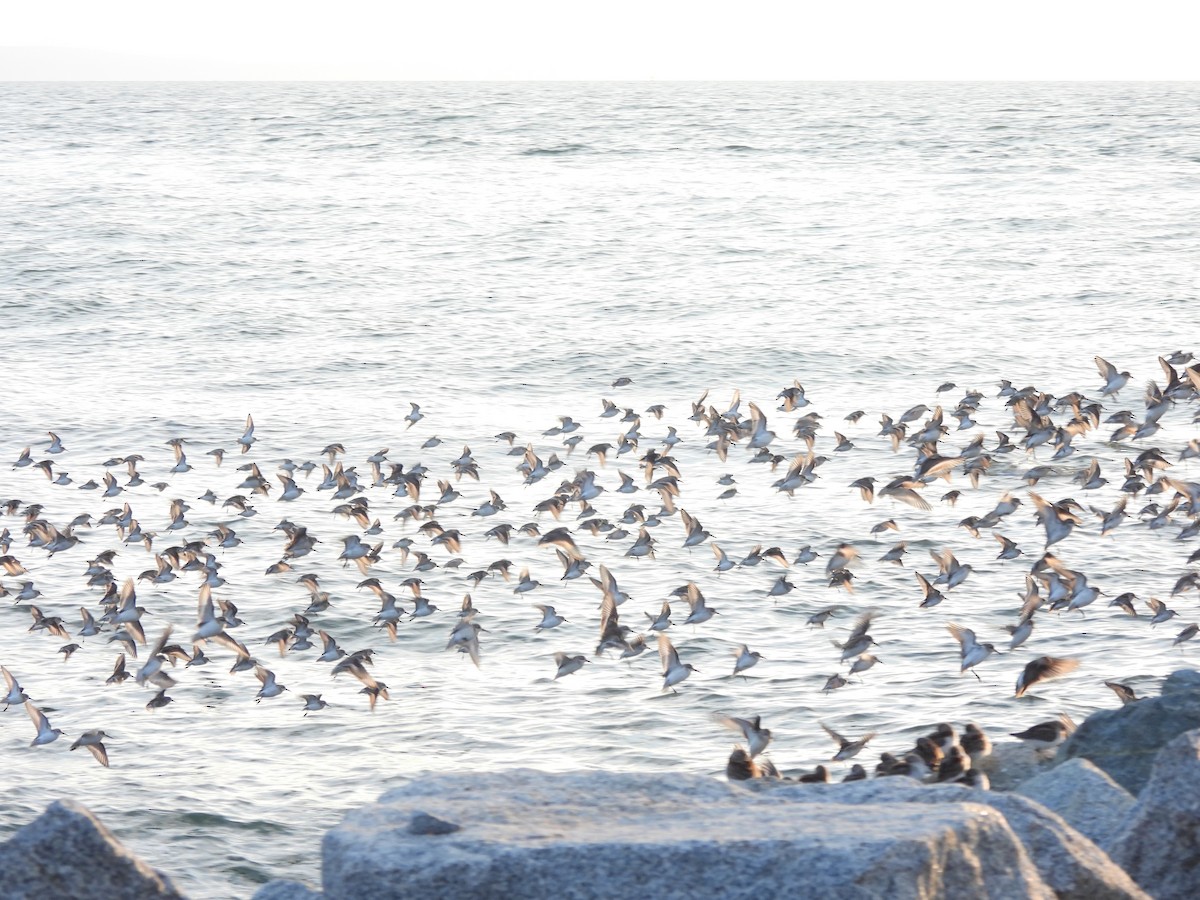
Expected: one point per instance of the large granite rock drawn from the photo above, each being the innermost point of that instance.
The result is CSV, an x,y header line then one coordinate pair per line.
x,y
1123,742
538,835
66,853
1181,680
1086,798
1160,845
282,889
1068,863
1012,763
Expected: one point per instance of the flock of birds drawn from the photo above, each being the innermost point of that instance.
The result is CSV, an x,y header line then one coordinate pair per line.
x,y
637,480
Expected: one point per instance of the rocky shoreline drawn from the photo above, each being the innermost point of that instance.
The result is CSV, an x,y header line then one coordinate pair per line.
x,y
1116,814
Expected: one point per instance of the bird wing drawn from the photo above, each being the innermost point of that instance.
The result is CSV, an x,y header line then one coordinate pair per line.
x,y
161,642
39,718
965,636
667,653
98,750
837,738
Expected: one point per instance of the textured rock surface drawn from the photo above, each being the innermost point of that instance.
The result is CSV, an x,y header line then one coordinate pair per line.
x,y
67,853
537,835
1086,798
1181,680
285,890
1123,742
1071,865
1012,763
1160,845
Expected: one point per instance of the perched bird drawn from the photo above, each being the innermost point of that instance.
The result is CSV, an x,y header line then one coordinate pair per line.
x,y
975,742
1123,691
954,765
742,767
819,775
1045,736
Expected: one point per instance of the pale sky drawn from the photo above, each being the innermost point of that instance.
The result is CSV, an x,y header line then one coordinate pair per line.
x,y
587,39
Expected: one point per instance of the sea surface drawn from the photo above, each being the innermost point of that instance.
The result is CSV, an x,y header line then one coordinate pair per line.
x,y
175,257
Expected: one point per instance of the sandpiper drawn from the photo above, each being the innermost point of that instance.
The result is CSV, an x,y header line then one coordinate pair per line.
x,y
1045,736
847,749
93,742
673,670
1042,669
45,734
756,736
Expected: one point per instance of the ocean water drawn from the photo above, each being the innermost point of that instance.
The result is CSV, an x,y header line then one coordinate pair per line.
x,y
174,257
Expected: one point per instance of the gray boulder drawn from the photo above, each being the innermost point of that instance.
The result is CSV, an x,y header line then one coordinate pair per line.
x,y
67,853
1123,742
1012,763
1160,845
1086,798
285,890
1068,863
1181,680
560,836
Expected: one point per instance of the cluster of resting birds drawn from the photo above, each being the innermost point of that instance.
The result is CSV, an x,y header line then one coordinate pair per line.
x,y
631,469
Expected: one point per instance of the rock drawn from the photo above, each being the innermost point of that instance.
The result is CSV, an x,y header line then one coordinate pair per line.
x,y
1160,845
66,852
1123,742
1181,680
1073,866
1090,802
423,823
540,835
285,890
1070,864
1012,763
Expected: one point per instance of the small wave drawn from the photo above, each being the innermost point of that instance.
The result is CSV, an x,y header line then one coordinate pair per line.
x,y
252,874
560,150
457,141
213,820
